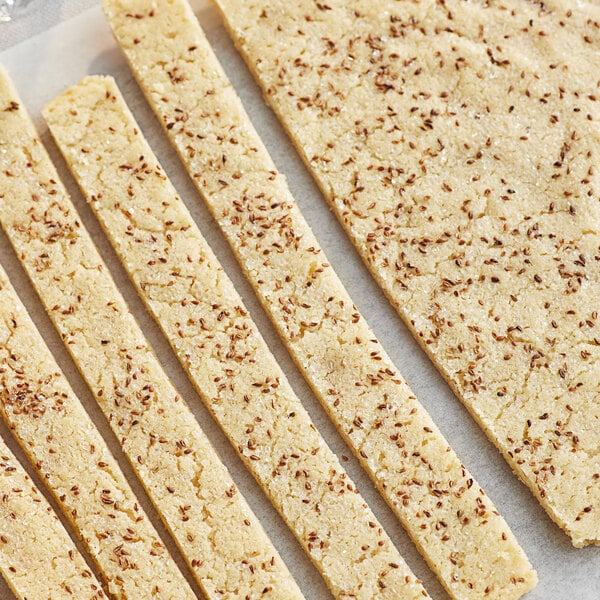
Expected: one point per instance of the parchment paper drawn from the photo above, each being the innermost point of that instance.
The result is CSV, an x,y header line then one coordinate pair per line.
x,y
44,65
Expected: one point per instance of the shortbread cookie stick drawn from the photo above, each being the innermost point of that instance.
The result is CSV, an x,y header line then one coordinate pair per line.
x,y
349,371
70,455
221,539
457,143
37,557
203,316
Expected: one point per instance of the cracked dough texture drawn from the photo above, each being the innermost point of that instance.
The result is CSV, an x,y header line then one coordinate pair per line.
x,y
456,142
216,531
452,521
49,421
38,559
201,313
42,411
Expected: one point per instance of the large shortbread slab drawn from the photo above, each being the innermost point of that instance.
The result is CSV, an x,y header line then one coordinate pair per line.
x,y
457,142
221,539
391,434
72,458
219,345
38,559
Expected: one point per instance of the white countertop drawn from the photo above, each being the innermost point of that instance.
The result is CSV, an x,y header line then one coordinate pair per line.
x,y
39,16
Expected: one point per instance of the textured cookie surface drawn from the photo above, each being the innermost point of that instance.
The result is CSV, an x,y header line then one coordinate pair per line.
x,y
41,409
68,452
456,142
218,534
203,316
37,557
444,510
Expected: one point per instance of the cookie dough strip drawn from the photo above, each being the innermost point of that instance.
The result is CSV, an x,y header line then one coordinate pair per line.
x,y
37,557
462,162
335,348
71,456
215,529
217,342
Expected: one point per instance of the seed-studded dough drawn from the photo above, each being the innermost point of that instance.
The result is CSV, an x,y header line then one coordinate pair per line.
x,y
218,534
358,384
217,342
70,455
456,142
37,557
